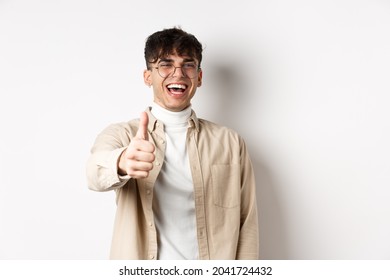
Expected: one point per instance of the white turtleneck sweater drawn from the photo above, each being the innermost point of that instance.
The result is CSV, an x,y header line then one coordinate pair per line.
x,y
173,201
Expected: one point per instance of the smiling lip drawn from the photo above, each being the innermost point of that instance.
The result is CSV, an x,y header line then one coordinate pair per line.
x,y
176,89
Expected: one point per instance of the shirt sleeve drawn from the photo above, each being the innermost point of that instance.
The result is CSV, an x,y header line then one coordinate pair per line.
x,y
102,164
248,243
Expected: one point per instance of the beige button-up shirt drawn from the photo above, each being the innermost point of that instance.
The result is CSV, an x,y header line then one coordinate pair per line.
x,y
224,190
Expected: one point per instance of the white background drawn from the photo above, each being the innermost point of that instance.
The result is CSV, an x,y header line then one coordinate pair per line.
x,y
306,83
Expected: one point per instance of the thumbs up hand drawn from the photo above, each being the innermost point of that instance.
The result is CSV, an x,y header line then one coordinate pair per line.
x,y
137,160
142,132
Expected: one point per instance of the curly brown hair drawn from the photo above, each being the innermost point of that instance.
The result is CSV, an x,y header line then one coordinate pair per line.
x,y
170,41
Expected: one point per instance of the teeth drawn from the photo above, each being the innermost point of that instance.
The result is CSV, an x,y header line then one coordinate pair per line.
x,y
177,86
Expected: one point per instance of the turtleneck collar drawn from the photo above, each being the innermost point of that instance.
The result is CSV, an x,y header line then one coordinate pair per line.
x,y
170,118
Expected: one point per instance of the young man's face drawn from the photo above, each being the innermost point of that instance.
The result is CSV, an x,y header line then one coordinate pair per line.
x,y
174,91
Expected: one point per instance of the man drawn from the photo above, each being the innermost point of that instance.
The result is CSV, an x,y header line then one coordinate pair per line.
x,y
184,186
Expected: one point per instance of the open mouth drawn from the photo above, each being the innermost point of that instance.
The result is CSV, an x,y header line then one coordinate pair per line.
x,y
176,88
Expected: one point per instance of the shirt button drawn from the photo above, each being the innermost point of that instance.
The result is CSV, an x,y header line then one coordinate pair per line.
x,y
162,141
148,191
150,224
157,163
151,257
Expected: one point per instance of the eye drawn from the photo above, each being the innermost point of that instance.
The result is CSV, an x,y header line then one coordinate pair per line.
x,y
189,65
165,65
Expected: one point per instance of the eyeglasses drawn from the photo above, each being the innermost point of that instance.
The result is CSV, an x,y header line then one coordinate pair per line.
x,y
189,69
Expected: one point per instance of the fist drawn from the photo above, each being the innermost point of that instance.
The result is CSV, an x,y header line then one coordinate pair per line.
x,y
137,160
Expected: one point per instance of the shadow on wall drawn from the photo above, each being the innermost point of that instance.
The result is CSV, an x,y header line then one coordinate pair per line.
x,y
233,105
226,88
272,225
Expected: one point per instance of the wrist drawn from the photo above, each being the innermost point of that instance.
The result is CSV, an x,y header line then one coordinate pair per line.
x,y
120,168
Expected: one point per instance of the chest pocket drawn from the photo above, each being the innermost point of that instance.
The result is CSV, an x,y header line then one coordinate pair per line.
x,y
226,185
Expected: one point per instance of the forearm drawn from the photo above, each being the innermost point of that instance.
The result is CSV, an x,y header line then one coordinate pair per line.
x,y
102,170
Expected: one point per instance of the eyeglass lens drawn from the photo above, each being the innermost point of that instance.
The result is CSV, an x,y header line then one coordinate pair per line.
x,y
190,70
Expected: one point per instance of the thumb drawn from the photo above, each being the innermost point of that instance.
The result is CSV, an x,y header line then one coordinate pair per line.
x,y
142,132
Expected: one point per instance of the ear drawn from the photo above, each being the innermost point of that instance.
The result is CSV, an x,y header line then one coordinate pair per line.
x,y
200,76
148,77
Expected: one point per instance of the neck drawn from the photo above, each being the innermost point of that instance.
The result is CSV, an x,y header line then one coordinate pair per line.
x,y
169,117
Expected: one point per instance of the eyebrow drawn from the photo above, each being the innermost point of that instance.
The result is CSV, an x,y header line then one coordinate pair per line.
x,y
171,60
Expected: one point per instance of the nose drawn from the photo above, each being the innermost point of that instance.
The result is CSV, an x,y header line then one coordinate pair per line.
x,y
181,71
